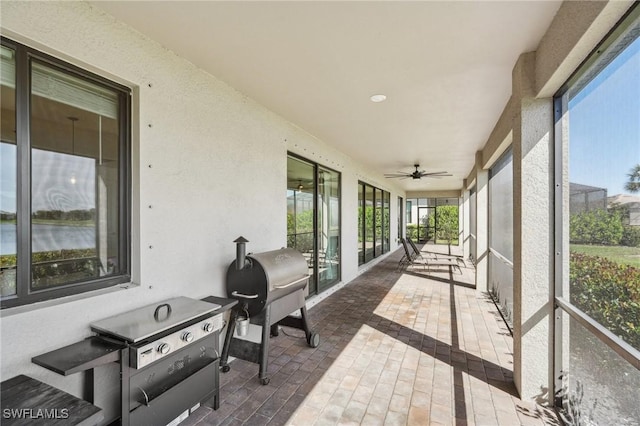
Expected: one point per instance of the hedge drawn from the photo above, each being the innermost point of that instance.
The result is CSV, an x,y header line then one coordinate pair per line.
x,y
596,227
609,293
56,266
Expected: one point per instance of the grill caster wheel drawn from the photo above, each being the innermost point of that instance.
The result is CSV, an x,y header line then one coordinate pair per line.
x,y
225,368
265,381
313,340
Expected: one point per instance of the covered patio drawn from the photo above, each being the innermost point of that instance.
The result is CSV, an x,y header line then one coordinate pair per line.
x,y
398,347
141,139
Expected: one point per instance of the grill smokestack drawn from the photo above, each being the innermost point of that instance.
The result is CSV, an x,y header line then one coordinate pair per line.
x,y
240,252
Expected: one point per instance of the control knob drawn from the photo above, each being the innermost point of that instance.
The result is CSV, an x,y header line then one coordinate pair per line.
x,y
187,336
208,327
164,348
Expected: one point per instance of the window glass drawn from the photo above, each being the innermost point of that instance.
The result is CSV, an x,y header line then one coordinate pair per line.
x,y
328,227
373,222
8,175
378,220
368,223
64,168
426,224
74,179
313,220
301,189
598,387
600,117
473,212
501,234
604,176
361,214
436,220
400,217
386,221
444,221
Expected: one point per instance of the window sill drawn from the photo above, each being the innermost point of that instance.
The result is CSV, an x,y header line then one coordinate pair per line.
x,y
7,312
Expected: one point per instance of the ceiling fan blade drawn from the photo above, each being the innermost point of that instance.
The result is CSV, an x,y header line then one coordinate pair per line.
x,y
395,175
437,174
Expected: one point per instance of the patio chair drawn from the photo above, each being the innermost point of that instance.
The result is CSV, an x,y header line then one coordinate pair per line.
x,y
415,248
408,258
436,256
413,259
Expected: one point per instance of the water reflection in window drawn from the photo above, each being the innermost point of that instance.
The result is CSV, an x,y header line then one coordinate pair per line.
x,y
8,175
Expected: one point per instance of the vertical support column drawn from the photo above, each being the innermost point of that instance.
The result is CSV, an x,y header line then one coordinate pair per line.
x,y
482,225
533,235
465,222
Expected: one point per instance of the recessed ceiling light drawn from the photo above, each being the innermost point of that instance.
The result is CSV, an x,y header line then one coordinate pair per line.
x,y
378,98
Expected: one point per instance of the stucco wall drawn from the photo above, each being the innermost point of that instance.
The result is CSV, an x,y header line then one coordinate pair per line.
x,y
209,165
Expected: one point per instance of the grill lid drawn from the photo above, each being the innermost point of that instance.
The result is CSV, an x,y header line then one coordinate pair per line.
x,y
141,323
282,267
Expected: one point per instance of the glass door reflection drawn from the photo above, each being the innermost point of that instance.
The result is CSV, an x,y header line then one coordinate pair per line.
x,y
425,231
301,189
328,230
313,219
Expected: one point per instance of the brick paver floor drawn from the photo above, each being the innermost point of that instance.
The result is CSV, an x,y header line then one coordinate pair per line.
x,y
409,347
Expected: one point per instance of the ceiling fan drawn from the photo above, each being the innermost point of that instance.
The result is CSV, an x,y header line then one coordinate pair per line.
x,y
417,174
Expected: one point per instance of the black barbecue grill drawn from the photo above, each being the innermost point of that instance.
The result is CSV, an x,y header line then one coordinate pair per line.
x,y
173,358
269,286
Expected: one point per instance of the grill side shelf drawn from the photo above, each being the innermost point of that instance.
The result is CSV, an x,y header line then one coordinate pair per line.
x,y
80,356
224,302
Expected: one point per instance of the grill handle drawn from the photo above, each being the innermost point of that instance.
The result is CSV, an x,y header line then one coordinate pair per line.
x,y
161,391
244,296
145,396
156,313
292,283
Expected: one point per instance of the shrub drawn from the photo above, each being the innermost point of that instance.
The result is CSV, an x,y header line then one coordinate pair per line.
x,y
412,231
447,219
596,227
609,293
630,236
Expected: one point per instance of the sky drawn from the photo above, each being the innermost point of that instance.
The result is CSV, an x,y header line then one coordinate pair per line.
x,y
604,125
60,181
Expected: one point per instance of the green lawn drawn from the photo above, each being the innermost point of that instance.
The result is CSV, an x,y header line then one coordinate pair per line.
x,y
618,254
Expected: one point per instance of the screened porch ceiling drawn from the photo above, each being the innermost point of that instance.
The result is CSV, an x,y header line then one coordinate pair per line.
x,y
445,68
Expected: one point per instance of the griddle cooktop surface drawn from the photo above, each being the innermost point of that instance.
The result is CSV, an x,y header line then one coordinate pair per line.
x,y
142,323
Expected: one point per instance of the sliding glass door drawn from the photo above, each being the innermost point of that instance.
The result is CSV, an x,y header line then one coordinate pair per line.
x,y
328,229
301,191
313,219
374,231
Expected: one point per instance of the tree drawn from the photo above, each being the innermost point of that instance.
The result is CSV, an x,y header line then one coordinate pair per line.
x,y
633,185
447,219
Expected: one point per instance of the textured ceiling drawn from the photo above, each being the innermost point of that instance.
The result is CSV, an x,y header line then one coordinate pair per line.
x,y
445,68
